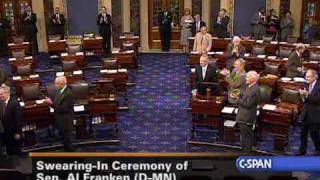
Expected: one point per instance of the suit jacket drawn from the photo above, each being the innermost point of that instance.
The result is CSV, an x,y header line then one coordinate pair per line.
x,y
202,42
292,67
210,76
194,27
311,109
258,24
221,29
11,117
58,28
104,25
165,21
30,27
247,105
231,56
63,109
286,26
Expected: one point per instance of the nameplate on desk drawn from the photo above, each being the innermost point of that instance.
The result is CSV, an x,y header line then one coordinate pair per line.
x,y
227,110
28,57
259,41
272,57
79,53
246,55
34,76
283,43
285,79
22,104
12,59
112,99
104,71
25,43
128,52
202,100
261,56
11,44
78,108
16,78
86,38
63,40
318,46
128,44
98,37
229,123
115,51
109,71
273,42
299,79
219,52
79,72
269,107
193,70
122,70
211,53
227,38
51,110
285,59
60,74
314,62
64,54
195,52
51,41
40,101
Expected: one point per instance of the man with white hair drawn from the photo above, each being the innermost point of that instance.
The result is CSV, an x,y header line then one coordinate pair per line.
x,y
295,62
310,113
247,110
63,111
11,119
235,51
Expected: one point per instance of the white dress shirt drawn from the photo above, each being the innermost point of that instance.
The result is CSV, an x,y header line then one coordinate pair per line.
x,y
204,71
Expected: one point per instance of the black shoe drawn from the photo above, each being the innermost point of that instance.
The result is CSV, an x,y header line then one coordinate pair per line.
x,y
301,153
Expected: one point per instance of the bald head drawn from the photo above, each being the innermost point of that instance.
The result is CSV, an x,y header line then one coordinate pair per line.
x,y
252,77
204,59
60,82
236,40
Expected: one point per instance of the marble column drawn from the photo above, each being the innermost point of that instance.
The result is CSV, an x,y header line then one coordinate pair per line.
x,y
296,10
144,25
206,12
126,15
38,8
188,4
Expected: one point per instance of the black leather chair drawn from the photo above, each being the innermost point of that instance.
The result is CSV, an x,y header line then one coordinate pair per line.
x,y
284,52
267,39
18,39
290,96
24,70
18,53
31,92
110,63
314,56
54,37
271,69
258,50
51,91
80,92
315,43
292,39
73,49
265,94
69,66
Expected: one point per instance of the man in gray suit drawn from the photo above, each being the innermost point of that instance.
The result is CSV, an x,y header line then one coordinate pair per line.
x,y
247,110
259,22
294,65
286,26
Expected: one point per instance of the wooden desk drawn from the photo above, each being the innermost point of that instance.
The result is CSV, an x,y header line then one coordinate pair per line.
x,y
72,77
254,63
120,78
79,57
19,82
56,46
218,44
135,40
21,46
281,84
125,59
94,45
106,106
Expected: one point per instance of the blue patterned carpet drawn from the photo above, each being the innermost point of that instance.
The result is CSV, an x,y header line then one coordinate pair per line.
x,y
157,119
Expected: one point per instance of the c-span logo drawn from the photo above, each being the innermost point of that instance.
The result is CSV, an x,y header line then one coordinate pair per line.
x,y
251,163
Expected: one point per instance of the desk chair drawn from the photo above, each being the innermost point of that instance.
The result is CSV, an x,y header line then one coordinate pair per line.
x,y
89,35
24,70
315,43
54,37
31,92
73,49
110,63
292,39
69,66
258,50
18,39
80,92
284,52
267,39
18,53
314,56
270,68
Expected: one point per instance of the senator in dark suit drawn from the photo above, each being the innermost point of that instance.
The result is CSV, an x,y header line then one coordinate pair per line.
x,y
63,104
197,24
205,73
57,23
259,22
4,26
11,119
165,20
234,51
310,113
30,29
294,65
104,22
247,110
221,25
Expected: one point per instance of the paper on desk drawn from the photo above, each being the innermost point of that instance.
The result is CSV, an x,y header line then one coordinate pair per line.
x,y
11,44
219,52
129,52
285,59
52,41
62,40
51,110
314,62
60,74
211,53
112,71
246,55
261,56
34,76
104,71
299,79
269,107
273,42
78,108
40,101
79,53
227,110
12,59
26,43
193,70
191,37
22,104
282,42
86,38
98,37
272,57
115,51
286,79
122,70
28,57
64,54
194,52
77,72
16,77
229,123
259,41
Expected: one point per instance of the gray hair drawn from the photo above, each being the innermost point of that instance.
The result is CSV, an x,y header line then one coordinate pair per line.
x,y
313,72
236,38
253,74
5,88
241,61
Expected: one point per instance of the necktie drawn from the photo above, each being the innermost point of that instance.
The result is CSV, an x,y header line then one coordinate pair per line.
x,y
4,107
310,88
